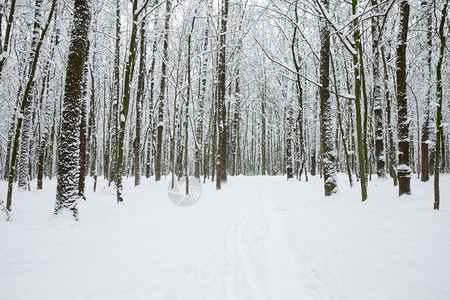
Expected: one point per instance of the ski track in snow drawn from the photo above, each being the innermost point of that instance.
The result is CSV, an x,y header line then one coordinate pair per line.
x,y
277,260
283,279
239,265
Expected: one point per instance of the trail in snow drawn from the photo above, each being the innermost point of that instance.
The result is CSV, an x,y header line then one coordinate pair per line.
x,y
279,278
241,278
283,280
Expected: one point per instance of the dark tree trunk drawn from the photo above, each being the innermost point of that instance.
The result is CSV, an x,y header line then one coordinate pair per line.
x,y
221,167
326,111
113,124
139,100
360,108
390,123
160,125
440,97
124,107
151,119
67,192
425,160
377,98
403,170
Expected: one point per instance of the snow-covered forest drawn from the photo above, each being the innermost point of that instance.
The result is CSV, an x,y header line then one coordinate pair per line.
x,y
318,129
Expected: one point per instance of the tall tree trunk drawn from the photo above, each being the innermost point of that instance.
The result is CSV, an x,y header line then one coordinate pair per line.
x,y
24,160
390,122
92,132
188,98
425,160
377,98
201,109
302,154
162,85
359,108
113,125
139,100
67,192
124,107
403,171
151,118
440,97
326,113
221,167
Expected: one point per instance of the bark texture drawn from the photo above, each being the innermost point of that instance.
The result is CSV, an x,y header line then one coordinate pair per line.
x,y
67,192
403,170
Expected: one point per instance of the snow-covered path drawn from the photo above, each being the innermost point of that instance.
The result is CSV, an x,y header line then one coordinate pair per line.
x,y
276,277
257,238
283,280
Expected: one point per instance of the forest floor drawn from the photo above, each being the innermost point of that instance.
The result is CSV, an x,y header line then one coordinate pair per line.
x,y
257,238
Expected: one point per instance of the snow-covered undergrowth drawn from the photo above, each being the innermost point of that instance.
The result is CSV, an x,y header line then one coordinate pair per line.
x,y
257,238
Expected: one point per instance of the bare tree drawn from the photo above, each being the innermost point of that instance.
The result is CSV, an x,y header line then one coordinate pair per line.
x,y
67,192
403,171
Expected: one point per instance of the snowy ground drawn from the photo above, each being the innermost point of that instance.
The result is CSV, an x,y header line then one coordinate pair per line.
x,y
257,238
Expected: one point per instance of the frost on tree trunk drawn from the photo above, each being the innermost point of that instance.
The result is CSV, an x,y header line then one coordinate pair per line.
x,y
326,112
403,170
27,131
151,119
69,143
124,106
377,98
428,27
160,125
113,124
83,142
200,113
289,134
235,123
221,162
139,101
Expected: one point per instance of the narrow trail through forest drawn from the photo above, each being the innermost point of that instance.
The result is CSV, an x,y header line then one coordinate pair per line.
x,y
270,248
283,278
